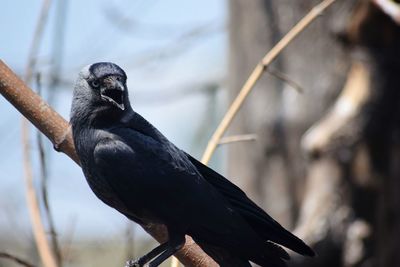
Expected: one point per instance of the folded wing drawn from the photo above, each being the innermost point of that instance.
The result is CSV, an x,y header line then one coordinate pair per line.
x,y
257,218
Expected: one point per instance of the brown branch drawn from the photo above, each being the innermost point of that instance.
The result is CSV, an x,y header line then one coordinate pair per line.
x,y
256,74
15,259
57,130
190,255
37,111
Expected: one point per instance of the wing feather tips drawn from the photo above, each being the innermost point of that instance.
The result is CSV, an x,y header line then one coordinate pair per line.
x,y
277,250
306,250
262,223
277,234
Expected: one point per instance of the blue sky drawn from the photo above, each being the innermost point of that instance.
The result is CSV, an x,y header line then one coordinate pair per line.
x,y
165,46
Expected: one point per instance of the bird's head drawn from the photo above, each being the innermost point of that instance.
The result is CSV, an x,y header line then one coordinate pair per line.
x,y
102,85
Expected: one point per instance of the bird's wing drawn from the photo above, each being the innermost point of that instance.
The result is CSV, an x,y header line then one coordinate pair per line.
x,y
260,221
153,177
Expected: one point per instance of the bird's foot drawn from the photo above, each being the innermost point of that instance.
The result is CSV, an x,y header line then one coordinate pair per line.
x,y
134,263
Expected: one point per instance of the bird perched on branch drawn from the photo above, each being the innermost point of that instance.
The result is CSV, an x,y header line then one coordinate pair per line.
x,y
133,168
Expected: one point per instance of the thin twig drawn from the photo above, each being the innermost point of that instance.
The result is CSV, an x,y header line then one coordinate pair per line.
x,y
42,243
237,138
15,259
283,77
256,74
44,182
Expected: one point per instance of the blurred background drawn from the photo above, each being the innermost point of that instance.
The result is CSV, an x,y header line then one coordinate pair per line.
x,y
324,162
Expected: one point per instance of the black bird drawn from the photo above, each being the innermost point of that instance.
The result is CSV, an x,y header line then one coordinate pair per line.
x,y
133,168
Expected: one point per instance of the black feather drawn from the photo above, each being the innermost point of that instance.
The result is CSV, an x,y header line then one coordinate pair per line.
x,y
103,69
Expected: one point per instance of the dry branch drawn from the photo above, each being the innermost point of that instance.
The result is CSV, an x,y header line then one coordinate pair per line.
x,y
286,79
237,138
256,74
38,229
15,259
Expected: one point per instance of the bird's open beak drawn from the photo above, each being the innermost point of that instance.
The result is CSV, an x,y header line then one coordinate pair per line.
x,y
114,93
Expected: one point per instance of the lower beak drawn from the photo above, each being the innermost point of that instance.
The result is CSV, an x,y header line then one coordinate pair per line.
x,y
115,95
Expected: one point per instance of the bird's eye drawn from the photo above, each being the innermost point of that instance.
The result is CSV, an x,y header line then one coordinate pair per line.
x,y
119,78
95,83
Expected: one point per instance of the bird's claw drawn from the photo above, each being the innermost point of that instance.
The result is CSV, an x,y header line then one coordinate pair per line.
x,y
133,263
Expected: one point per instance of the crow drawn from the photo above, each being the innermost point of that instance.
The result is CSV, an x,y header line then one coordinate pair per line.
x,y
133,168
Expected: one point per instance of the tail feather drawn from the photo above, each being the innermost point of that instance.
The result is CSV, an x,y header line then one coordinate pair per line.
x,y
265,226
277,250
277,234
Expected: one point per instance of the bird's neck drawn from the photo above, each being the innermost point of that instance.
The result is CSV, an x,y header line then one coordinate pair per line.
x,y
95,117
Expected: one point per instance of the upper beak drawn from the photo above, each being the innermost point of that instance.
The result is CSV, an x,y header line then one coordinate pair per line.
x,y
113,92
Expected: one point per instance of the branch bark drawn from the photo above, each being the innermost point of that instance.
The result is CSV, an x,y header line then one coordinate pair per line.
x,y
37,111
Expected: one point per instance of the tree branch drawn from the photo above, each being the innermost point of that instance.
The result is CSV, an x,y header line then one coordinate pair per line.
x,y
283,77
237,138
15,259
37,111
38,228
